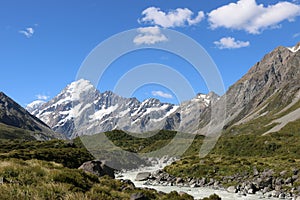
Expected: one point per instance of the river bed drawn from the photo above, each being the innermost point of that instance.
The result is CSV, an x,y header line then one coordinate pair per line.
x,y
197,193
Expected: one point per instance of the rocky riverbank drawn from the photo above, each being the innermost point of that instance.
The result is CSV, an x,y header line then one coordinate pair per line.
x,y
266,183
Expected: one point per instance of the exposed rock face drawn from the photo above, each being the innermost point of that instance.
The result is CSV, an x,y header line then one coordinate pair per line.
x,y
80,109
12,114
271,86
278,71
98,168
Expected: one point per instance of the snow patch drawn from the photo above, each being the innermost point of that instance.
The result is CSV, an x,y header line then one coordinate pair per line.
x,y
34,105
295,48
101,113
166,115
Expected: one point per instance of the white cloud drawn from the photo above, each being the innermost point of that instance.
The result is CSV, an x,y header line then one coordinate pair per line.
x,y
253,18
296,35
28,32
162,94
149,35
42,97
230,43
174,18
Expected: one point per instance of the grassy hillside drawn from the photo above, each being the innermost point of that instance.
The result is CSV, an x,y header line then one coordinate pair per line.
x,y
10,132
35,179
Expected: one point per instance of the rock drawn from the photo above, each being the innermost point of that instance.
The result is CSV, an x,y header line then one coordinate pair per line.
x,y
98,168
251,191
181,193
294,177
129,182
283,173
255,171
142,176
211,182
217,183
179,180
231,189
194,185
262,183
298,198
193,181
138,196
242,193
251,188
279,181
268,173
266,189
268,194
278,187
275,193
288,180
281,196
202,182
295,171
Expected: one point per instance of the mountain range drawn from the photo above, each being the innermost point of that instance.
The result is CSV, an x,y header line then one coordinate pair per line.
x,y
266,99
80,109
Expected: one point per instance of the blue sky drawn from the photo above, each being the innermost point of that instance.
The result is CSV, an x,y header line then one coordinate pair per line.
x,y
43,43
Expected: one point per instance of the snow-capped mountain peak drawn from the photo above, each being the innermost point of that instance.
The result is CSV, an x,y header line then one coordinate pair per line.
x,y
80,109
77,88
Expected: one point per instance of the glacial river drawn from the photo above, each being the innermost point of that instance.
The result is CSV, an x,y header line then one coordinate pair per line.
x,y
197,193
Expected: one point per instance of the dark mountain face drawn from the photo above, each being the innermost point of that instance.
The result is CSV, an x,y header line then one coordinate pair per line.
x,y
13,115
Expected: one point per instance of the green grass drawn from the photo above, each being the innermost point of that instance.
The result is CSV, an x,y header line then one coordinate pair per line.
x,y
136,144
10,132
35,179
69,154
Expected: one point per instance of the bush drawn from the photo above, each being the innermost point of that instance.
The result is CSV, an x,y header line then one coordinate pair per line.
x,y
212,197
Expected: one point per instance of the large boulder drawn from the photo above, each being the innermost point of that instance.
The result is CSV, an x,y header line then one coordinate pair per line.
x,y
138,196
231,189
98,168
142,176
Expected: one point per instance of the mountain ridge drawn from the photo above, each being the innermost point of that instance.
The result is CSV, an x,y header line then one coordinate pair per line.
x,y
15,119
87,108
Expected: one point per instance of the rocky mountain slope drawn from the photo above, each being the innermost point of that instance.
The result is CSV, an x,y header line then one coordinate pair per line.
x,y
267,96
80,109
15,121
